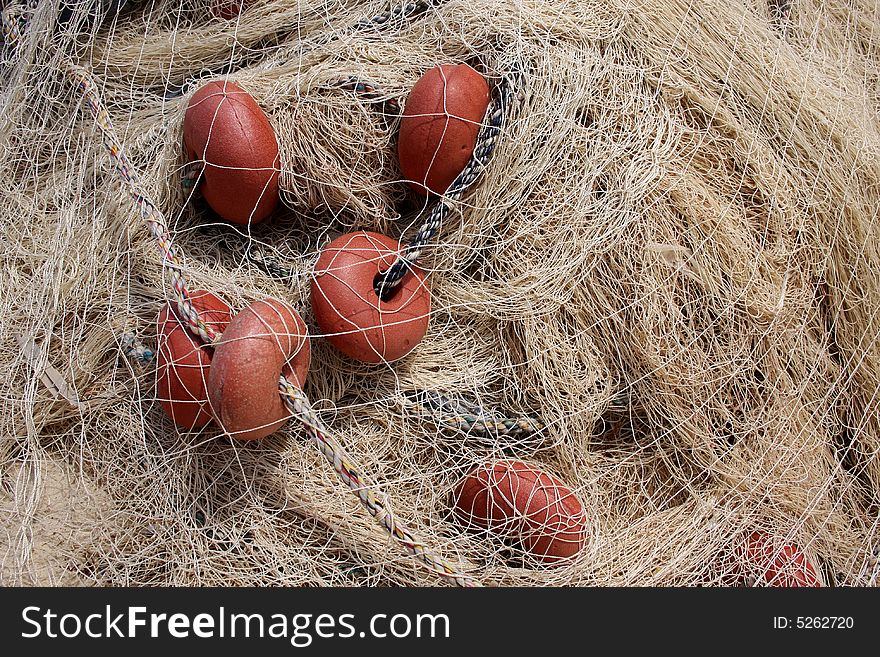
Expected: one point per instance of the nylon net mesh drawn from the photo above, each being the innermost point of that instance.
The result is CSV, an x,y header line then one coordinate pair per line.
x,y
670,265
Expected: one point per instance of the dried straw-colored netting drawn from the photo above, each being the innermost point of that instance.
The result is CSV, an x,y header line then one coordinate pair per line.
x,y
672,260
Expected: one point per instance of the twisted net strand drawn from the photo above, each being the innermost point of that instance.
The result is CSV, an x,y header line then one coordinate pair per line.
x,y
133,348
487,140
398,14
349,473
269,264
463,415
151,215
367,91
192,174
293,397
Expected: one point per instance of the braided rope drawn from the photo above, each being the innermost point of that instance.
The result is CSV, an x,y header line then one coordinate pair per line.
x,y
293,397
487,140
463,415
367,91
11,22
192,173
398,14
151,215
133,348
349,473
269,264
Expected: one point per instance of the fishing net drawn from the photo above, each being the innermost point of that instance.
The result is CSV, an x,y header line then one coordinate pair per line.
x,y
662,290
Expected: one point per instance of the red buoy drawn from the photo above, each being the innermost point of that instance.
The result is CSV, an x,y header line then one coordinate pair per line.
x,y
347,309
183,362
439,127
229,9
515,499
266,339
775,563
226,130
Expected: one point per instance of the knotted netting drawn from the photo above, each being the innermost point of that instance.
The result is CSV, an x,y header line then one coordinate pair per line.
x,y
662,289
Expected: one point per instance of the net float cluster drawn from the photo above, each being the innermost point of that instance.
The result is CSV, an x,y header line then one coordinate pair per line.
x,y
233,155
231,146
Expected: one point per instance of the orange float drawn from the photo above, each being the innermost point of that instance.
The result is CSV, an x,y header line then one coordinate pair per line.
x,y
439,127
778,564
517,500
262,342
226,130
183,362
347,309
229,9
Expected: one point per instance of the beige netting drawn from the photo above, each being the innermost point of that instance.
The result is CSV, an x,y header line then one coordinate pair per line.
x,y
672,261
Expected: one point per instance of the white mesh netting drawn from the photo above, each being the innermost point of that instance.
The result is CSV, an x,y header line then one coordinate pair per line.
x,y
671,264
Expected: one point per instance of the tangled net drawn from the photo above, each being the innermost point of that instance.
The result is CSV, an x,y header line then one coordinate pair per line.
x,y
671,262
